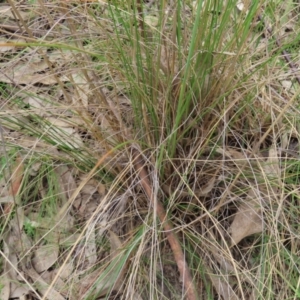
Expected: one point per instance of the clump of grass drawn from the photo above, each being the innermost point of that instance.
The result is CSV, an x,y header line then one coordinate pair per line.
x,y
150,130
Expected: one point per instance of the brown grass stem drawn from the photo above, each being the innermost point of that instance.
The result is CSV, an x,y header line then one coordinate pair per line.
x,y
167,225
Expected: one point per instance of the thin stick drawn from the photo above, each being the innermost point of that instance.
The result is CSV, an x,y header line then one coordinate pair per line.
x,y
167,225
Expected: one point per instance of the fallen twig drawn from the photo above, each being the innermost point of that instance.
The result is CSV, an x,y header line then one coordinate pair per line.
x,y
167,225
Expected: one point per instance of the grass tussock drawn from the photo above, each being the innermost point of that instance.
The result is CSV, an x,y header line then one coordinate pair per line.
x,y
149,150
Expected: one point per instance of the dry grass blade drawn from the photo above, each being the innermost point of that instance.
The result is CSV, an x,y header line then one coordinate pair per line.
x,y
179,256
111,279
223,288
286,55
209,90
29,285
62,214
67,205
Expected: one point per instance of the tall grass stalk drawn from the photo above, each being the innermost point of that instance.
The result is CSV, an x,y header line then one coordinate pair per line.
x,y
198,98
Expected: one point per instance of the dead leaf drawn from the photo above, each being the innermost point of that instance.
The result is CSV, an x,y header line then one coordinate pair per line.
x,y
17,176
28,73
15,184
89,189
19,290
67,184
248,219
237,157
55,232
66,272
9,191
106,128
60,285
45,257
42,285
89,205
10,281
